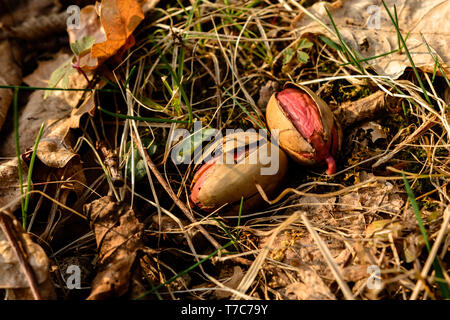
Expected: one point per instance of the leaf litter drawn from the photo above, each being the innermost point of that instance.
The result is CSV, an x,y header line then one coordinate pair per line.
x,y
365,221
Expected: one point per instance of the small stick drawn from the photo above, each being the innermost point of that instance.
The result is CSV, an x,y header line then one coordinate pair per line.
x,y
434,250
111,162
329,259
177,200
6,225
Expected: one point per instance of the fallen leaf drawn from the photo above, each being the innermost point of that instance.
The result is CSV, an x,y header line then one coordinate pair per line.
x,y
355,21
109,28
90,26
382,228
38,110
311,287
11,272
375,130
119,19
148,5
9,184
54,149
119,238
232,282
351,112
11,75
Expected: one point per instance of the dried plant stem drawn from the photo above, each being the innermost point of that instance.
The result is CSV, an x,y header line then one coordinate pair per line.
x,y
7,227
329,259
432,255
177,200
252,272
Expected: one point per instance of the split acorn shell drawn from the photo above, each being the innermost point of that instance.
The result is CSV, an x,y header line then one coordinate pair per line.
x,y
219,182
320,147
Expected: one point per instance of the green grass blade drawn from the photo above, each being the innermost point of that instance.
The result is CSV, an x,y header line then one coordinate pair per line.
x,y
436,62
332,44
129,77
416,209
239,217
30,172
343,44
411,61
19,160
443,287
185,271
124,116
177,82
258,122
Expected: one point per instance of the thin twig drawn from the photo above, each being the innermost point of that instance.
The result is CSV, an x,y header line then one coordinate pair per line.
x,y
432,255
329,259
177,200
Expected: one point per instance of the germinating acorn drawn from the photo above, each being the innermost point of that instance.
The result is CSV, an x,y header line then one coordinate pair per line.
x,y
305,126
237,163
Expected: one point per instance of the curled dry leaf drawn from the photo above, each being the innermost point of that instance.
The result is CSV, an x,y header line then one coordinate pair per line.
x,y
232,282
111,25
38,110
375,130
119,238
366,108
311,287
11,75
11,271
54,149
357,21
9,184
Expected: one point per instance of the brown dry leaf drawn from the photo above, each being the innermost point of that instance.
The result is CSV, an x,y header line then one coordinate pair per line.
x,y
46,290
366,108
119,18
111,25
11,272
9,184
58,106
311,287
119,238
54,149
355,21
148,5
11,75
375,130
382,228
232,282
347,214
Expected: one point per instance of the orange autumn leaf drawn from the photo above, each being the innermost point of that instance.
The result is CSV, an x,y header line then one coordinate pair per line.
x,y
119,19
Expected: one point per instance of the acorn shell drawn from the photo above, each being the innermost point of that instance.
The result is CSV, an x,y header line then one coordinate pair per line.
x,y
216,184
289,139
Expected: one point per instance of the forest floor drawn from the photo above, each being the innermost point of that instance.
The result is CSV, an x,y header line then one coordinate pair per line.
x,y
92,198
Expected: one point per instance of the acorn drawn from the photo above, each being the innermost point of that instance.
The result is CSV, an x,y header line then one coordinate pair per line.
x,y
305,126
237,163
